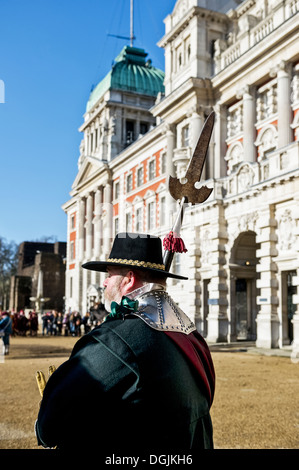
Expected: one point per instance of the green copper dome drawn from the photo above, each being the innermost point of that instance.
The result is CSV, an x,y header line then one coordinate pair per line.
x,y
130,72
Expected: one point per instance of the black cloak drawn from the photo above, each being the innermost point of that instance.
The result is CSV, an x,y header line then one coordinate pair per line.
x,y
128,386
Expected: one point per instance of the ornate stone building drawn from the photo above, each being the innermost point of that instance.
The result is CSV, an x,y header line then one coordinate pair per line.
x,y
242,60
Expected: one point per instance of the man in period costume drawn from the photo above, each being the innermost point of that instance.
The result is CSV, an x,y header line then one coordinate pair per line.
x,y
144,378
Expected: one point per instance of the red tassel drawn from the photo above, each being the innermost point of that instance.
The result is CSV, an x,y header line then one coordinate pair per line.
x,y
174,243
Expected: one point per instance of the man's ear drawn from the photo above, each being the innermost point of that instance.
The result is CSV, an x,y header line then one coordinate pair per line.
x,y
130,282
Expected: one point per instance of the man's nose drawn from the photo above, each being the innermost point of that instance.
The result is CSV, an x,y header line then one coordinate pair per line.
x,y
105,282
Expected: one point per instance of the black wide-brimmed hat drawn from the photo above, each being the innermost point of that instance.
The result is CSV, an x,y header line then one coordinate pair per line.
x,y
136,250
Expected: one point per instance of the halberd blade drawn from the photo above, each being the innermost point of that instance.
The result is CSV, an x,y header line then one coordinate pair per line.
x,y
188,190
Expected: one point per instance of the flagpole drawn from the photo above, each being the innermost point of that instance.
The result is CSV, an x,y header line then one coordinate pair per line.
x,y
132,23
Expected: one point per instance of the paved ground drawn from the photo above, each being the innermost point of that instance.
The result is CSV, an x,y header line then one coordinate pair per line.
x,y
255,406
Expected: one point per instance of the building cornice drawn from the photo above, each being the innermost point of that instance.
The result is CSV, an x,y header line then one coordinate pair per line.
x,y
183,22
68,204
192,86
105,102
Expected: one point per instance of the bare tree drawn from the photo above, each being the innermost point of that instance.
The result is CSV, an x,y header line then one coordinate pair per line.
x,y
8,267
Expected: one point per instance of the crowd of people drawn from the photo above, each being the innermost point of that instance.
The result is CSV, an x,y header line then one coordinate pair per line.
x,y
54,322
23,324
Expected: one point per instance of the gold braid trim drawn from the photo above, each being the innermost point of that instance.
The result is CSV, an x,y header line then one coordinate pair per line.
x,y
131,262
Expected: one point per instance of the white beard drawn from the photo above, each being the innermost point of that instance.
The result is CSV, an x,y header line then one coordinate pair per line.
x,y
114,296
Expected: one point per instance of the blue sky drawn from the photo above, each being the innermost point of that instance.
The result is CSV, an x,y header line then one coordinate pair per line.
x,y
51,53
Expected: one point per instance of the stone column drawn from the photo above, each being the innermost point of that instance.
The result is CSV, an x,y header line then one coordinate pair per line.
x,y
295,320
81,229
89,217
84,283
249,132
108,218
267,318
189,291
86,139
218,290
170,169
220,130
168,68
98,235
284,105
104,143
197,121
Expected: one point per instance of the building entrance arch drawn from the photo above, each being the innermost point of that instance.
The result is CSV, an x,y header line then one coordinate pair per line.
x,y
243,290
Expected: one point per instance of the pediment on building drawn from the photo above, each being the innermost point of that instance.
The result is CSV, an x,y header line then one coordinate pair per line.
x,y
149,193
90,168
161,188
180,9
137,199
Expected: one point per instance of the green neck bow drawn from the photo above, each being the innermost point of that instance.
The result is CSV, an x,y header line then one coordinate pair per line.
x,y
125,307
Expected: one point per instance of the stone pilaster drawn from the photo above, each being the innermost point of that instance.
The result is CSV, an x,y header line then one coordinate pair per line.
x,y
295,320
107,219
89,217
218,290
220,146
267,318
170,142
